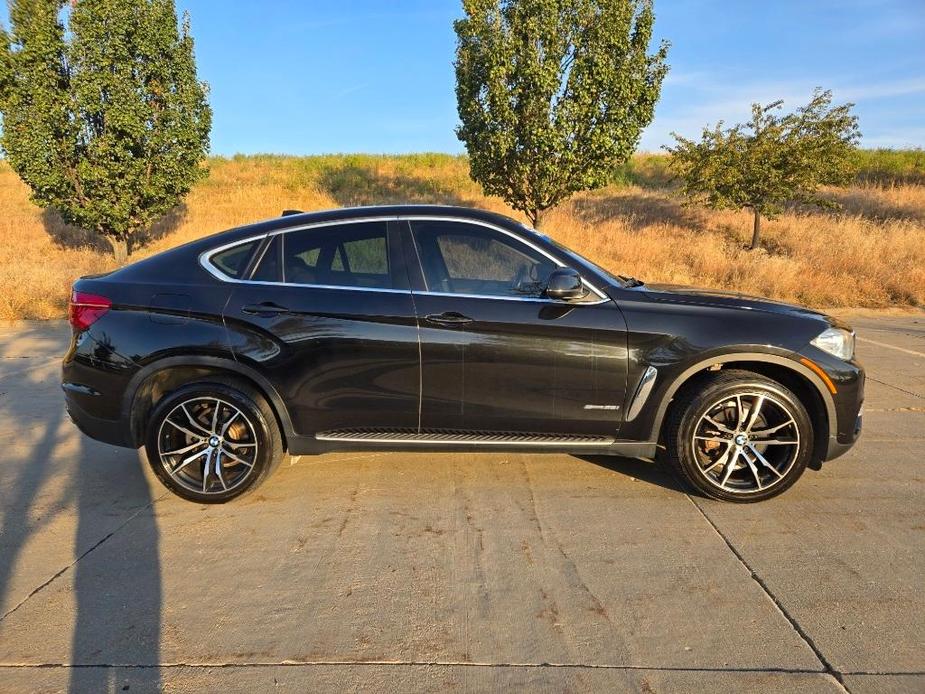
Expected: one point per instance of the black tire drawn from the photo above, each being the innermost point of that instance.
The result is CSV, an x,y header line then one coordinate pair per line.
x,y
704,437
251,437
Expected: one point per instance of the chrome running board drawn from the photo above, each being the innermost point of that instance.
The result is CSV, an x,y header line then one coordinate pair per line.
x,y
450,437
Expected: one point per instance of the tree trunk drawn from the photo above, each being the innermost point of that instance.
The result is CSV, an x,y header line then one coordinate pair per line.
x,y
756,229
536,218
119,249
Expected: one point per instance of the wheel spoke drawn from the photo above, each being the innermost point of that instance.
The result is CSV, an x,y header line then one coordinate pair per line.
x,y
753,415
185,449
765,462
768,432
192,421
205,474
740,412
719,462
751,465
218,407
218,469
719,426
183,429
731,467
229,421
235,458
187,461
715,439
774,442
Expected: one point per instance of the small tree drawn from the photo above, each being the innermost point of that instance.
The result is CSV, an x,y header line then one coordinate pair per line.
x,y
553,94
107,123
770,161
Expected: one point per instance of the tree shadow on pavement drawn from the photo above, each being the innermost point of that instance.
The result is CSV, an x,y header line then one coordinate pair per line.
x,y
117,582
56,479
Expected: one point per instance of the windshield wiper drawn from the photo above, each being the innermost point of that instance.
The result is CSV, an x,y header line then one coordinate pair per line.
x,y
632,281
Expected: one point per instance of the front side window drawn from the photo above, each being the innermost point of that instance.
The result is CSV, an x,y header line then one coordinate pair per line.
x,y
340,255
461,258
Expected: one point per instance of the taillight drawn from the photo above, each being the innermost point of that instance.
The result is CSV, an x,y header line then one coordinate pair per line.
x,y
85,309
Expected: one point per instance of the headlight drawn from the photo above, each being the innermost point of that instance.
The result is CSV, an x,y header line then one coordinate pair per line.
x,y
836,341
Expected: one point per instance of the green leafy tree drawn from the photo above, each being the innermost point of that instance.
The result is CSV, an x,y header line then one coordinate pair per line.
x,y
553,94
770,161
106,122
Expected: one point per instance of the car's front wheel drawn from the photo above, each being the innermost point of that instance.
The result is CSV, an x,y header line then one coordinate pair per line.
x,y
213,442
739,437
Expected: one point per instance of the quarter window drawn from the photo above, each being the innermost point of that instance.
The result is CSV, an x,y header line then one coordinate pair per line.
x,y
232,261
343,255
460,258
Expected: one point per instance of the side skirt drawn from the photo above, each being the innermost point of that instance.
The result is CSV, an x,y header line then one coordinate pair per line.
x,y
468,441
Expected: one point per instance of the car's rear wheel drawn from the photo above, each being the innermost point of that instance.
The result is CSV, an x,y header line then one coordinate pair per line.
x,y
739,437
213,442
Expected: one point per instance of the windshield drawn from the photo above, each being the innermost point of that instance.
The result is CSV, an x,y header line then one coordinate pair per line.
x,y
618,279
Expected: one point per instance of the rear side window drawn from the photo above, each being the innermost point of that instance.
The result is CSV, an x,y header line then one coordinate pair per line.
x,y
232,261
341,255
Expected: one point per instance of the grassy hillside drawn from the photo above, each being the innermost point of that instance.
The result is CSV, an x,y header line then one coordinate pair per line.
x,y
871,253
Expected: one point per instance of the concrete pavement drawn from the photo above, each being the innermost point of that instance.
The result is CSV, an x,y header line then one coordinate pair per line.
x,y
418,572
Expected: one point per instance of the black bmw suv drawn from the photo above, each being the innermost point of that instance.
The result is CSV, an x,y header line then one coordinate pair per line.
x,y
444,328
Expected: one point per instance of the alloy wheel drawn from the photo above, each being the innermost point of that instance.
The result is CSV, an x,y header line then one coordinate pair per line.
x,y
746,442
207,445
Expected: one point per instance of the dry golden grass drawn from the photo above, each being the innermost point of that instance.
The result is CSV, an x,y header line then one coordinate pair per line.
x,y
870,254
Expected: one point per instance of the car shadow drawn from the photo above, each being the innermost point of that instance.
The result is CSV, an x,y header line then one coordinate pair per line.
x,y
654,472
55,479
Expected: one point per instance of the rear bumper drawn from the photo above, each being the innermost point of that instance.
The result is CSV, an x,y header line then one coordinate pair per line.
x,y
111,431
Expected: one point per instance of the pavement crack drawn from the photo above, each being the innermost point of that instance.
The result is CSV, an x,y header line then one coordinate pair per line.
x,y
807,639
437,663
38,589
890,385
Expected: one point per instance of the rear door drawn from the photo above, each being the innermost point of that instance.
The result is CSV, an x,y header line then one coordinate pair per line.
x,y
327,315
496,355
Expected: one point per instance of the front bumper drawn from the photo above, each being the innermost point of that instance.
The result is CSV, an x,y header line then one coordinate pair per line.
x,y
848,378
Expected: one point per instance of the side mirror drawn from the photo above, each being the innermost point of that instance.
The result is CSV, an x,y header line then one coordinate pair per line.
x,y
565,284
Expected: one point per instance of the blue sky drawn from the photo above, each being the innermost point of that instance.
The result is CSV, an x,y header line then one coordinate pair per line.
x,y
312,76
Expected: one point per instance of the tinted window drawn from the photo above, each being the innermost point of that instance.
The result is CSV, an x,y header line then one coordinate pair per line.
x,y
344,255
462,258
268,267
233,260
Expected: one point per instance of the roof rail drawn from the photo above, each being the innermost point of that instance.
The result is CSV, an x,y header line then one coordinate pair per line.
x,y
287,213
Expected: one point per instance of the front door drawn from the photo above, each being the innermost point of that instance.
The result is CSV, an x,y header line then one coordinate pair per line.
x,y
331,321
498,356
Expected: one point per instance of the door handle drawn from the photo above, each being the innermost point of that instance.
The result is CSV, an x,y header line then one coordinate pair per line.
x,y
267,308
448,318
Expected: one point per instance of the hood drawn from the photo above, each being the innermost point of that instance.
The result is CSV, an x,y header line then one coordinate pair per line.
x,y
680,294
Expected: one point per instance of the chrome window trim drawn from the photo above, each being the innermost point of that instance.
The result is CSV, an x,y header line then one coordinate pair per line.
x,y
206,256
